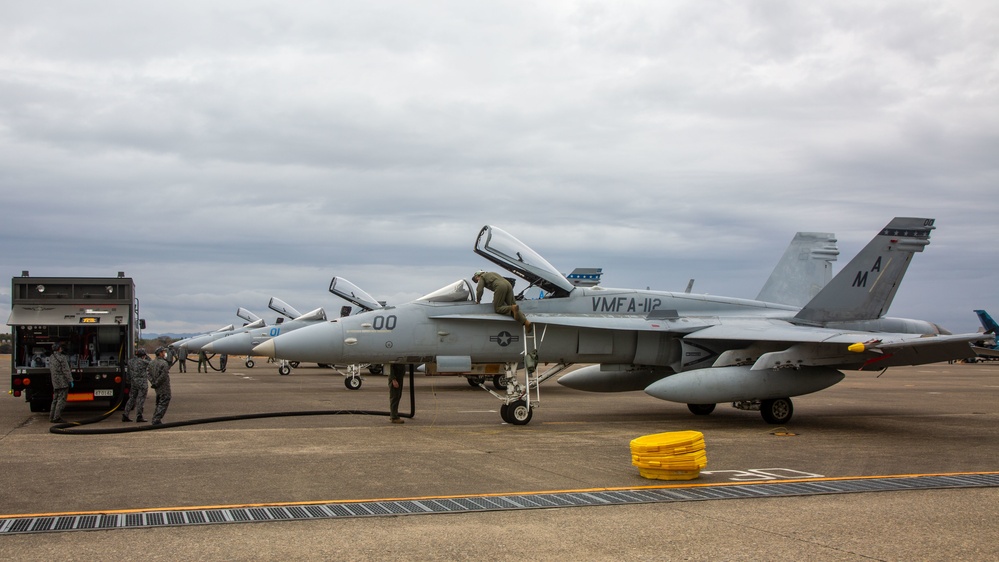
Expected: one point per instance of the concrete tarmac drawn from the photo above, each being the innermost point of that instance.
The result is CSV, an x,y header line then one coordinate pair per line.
x,y
917,420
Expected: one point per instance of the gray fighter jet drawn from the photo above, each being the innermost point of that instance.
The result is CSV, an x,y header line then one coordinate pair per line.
x,y
242,343
694,349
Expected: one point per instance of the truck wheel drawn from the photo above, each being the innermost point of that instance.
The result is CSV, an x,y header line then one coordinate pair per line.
x,y
40,404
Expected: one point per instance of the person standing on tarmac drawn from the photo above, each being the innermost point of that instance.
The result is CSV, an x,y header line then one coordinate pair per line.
x,y
178,354
202,360
159,378
396,376
62,381
503,301
139,381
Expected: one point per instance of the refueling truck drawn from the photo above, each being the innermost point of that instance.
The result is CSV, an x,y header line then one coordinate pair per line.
x,y
96,321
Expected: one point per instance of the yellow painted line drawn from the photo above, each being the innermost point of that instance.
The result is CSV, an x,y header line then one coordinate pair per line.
x,y
494,494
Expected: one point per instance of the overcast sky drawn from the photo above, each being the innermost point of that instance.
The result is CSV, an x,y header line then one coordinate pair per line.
x,y
225,152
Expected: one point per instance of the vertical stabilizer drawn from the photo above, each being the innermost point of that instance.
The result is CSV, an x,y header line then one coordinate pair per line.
x,y
987,322
803,271
865,288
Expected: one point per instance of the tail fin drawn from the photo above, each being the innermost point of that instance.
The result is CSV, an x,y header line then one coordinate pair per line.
x,y
803,271
865,288
987,322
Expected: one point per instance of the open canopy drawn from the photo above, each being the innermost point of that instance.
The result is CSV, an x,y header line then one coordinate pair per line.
x,y
501,248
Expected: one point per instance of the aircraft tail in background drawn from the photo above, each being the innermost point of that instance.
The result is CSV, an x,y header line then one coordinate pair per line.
x,y
987,322
803,270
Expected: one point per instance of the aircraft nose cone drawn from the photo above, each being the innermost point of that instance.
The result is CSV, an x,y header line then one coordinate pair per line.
x,y
208,347
266,349
320,343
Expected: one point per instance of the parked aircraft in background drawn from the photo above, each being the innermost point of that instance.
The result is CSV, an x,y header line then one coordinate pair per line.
x,y
987,349
682,347
242,343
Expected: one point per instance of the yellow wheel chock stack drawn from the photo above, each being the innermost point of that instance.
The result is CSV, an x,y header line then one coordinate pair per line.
x,y
674,455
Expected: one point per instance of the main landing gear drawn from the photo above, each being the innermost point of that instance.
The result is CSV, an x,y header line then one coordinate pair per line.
x,y
775,411
518,405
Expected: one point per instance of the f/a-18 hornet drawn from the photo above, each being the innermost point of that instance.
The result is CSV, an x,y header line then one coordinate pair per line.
x,y
689,348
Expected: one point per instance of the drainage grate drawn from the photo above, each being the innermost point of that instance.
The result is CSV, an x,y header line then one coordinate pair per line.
x,y
472,504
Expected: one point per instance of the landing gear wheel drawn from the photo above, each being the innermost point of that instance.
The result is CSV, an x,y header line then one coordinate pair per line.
x,y
777,411
284,370
249,363
376,369
701,409
519,413
498,382
476,381
352,383
505,413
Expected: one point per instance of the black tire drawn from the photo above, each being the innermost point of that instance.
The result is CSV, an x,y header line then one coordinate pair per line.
x,y
475,381
519,413
505,413
376,369
40,404
498,382
250,363
352,383
284,370
701,409
777,411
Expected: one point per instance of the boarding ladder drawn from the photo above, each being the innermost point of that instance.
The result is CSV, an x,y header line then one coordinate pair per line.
x,y
518,404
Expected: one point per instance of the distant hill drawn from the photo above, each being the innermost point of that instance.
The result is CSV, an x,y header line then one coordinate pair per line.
x,y
152,336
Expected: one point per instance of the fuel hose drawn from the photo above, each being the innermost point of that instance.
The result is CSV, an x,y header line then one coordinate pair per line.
x,y
76,427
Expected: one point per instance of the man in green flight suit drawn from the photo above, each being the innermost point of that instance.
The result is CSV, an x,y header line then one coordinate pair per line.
x,y
396,374
503,302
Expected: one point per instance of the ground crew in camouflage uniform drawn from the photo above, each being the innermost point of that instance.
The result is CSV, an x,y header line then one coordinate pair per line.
x,y
503,301
180,356
397,374
62,381
159,379
138,379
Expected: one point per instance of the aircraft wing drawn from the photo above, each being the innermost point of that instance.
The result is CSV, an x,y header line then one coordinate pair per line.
x,y
774,344
770,343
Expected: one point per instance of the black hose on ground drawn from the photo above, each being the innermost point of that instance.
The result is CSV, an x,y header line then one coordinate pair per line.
x,y
74,428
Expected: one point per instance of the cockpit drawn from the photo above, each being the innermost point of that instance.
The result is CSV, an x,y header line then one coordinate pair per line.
x,y
503,249
459,291
353,294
